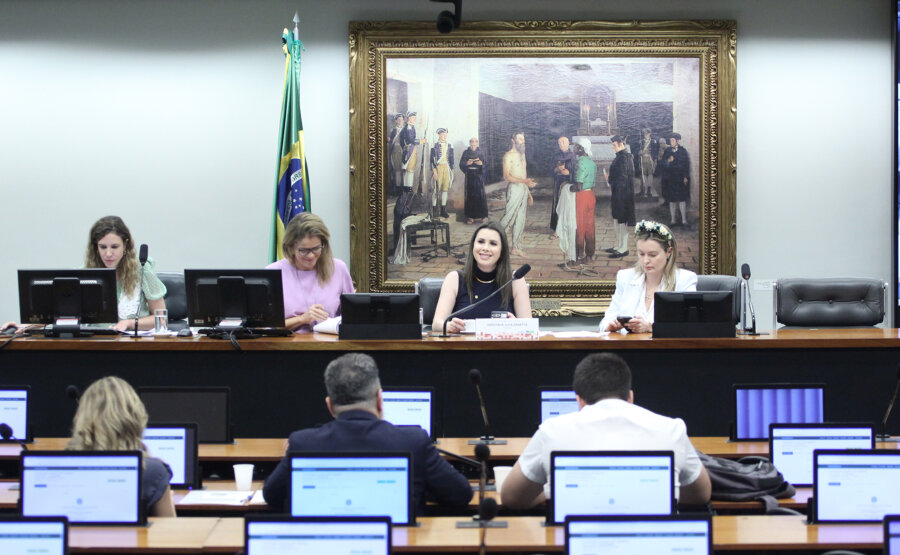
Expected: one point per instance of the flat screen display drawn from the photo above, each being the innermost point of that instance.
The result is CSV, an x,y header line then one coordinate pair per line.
x,y
314,535
409,407
758,405
856,486
638,535
556,402
14,412
177,447
791,446
209,407
38,536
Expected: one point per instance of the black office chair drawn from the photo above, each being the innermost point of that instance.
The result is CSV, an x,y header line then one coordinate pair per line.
x,y
718,282
829,302
176,299
429,290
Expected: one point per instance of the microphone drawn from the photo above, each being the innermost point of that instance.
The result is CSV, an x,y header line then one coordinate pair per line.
x,y
751,330
482,453
518,274
73,392
142,254
487,438
487,511
142,258
6,432
884,435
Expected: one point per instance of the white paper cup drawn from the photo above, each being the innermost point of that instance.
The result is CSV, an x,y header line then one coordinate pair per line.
x,y
243,477
500,474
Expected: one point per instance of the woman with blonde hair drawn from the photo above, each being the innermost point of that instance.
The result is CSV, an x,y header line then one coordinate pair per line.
x,y
111,417
654,271
312,279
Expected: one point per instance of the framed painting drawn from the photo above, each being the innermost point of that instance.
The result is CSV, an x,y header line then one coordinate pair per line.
x,y
449,131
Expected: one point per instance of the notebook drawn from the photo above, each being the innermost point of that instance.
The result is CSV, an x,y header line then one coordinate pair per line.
x,y
791,446
87,487
317,535
32,535
352,484
556,401
611,483
855,485
892,535
14,412
758,405
176,445
409,407
638,535
209,407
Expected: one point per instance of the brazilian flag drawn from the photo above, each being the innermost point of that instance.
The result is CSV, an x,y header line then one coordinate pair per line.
x,y
291,178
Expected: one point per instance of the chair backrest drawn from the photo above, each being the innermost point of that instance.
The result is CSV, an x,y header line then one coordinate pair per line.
x,y
429,291
176,301
835,302
718,282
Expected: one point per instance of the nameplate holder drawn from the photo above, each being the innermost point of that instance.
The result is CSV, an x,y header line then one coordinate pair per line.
x,y
507,328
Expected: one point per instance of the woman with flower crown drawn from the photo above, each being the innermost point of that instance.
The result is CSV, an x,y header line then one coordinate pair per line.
x,y
655,271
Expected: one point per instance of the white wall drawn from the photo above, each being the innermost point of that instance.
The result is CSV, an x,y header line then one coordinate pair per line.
x,y
166,114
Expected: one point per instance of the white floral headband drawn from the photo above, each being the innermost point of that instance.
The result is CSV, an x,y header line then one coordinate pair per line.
x,y
653,228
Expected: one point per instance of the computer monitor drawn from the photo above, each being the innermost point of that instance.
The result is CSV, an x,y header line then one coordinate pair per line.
x,y
758,405
855,485
611,483
87,487
639,535
791,446
892,535
20,535
233,299
556,401
352,484
380,316
14,413
176,445
209,407
65,299
271,535
409,406
693,314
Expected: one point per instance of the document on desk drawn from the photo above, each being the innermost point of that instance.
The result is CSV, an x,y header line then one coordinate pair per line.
x,y
572,334
330,325
215,497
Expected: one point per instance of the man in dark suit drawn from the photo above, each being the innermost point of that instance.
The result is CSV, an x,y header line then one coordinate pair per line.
x,y
354,399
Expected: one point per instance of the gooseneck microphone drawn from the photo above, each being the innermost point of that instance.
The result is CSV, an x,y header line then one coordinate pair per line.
x,y
487,438
518,274
884,435
142,258
72,392
745,273
6,432
482,453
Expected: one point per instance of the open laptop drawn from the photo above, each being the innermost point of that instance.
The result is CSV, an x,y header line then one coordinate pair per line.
x,y
33,535
611,483
860,485
556,401
352,484
87,487
209,407
275,535
410,406
638,535
791,446
14,413
892,535
176,445
760,404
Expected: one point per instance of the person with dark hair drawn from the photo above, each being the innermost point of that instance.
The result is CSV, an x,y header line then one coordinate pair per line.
x,y
562,169
607,420
487,268
354,398
676,178
472,162
621,183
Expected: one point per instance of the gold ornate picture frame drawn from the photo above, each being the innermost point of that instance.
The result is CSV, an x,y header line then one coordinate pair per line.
x,y
414,204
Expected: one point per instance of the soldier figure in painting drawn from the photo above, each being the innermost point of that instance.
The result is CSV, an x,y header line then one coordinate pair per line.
x,y
518,191
645,162
676,178
395,156
442,171
410,152
472,162
621,183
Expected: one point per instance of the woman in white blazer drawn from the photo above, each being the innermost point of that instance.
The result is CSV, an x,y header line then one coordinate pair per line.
x,y
655,271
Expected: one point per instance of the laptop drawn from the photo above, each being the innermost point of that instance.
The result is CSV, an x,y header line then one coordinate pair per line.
x,y
87,487
892,535
556,401
611,483
409,407
317,535
638,535
14,413
352,484
791,446
760,404
209,407
859,485
33,535
176,445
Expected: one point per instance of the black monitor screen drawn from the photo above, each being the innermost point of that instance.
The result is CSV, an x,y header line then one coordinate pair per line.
x,y
89,295
693,314
254,297
209,407
380,316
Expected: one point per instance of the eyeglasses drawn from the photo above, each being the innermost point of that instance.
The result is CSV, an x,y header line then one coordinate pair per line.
x,y
307,252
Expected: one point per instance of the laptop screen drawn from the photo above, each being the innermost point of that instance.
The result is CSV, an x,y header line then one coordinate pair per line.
x,y
28,536
556,402
409,407
611,483
856,486
892,535
14,412
335,536
84,486
791,446
176,445
352,484
209,407
638,535
758,405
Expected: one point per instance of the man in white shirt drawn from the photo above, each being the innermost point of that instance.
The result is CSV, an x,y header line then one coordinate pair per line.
x,y
607,420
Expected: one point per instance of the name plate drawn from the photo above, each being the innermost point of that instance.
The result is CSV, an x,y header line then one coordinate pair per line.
x,y
506,328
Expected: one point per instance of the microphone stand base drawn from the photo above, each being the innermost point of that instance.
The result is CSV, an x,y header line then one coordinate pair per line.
x,y
887,438
476,523
486,441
